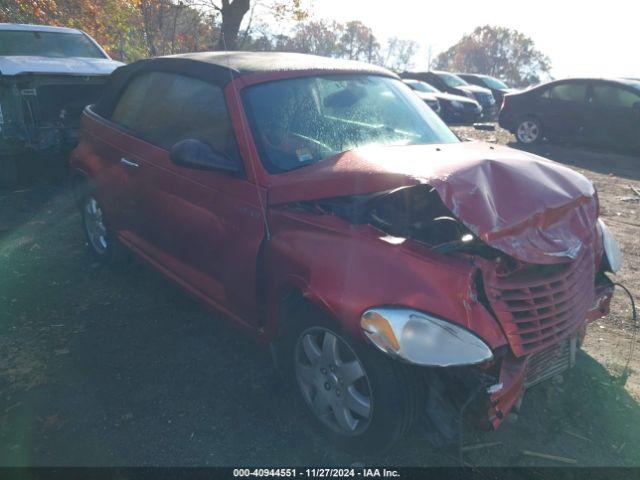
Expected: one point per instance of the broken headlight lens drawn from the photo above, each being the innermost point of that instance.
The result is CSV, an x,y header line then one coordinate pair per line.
x,y
422,339
611,248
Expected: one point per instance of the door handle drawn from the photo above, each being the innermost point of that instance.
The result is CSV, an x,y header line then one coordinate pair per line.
x,y
128,163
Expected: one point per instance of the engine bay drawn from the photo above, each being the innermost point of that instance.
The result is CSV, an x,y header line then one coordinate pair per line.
x,y
416,213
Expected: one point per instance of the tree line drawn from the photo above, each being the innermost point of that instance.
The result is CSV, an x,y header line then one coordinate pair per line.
x,y
134,29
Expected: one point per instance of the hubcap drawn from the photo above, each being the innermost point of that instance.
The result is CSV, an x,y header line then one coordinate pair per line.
x,y
333,381
528,131
94,225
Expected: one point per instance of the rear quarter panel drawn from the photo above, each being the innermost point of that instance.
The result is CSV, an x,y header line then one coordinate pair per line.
x,y
96,158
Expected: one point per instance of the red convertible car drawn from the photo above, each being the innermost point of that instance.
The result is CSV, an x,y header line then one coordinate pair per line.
x,y
395,271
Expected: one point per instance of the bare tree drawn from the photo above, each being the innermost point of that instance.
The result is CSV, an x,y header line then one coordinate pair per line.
x,y
358,42
232,13
319,37
399,54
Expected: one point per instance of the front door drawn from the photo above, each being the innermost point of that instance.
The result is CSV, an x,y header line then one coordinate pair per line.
x,y
202,228
562,109
614,115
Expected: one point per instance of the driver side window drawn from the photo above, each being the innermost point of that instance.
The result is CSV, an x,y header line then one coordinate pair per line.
x,y
612,96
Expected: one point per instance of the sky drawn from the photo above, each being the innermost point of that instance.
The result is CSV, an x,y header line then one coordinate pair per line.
x,y
582,38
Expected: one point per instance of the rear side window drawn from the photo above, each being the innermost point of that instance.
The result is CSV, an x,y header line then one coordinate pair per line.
x,y
164,108
612,96
569,92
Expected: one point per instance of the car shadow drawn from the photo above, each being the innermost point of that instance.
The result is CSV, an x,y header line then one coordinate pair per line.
x,y
587,420
600,161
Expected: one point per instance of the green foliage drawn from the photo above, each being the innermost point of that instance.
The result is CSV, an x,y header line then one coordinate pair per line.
x,y
499,52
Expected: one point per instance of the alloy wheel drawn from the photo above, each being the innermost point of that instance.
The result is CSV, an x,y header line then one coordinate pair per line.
x,y
94,225
528,131
333,381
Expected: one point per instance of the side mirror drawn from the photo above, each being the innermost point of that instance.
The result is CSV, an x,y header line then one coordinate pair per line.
x,y
487,127
195,154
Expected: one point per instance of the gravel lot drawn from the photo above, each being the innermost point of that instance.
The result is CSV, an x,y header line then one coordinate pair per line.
x,y
116,366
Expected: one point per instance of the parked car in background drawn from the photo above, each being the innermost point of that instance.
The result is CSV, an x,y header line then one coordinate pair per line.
x,y
498,88
450,83
47,76
454,109
592,111
323,208
426,93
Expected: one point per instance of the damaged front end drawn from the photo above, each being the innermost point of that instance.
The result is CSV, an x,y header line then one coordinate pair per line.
x,y
40,113
538,259
542,309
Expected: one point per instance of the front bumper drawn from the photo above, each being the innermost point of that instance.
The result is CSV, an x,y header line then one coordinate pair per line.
x,y
516,374
484,395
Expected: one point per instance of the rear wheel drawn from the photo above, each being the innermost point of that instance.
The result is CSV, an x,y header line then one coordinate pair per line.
x,y
101,239
360,399
529,131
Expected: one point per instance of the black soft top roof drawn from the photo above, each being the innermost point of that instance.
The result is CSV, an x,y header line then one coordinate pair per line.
x,y
245,63
221,67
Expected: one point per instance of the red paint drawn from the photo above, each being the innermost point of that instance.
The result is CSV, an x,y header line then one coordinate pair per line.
x,y
206,231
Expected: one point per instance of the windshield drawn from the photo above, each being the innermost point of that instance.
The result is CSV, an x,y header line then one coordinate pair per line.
x,y
47,44
451,80
494,83
302,121
422,87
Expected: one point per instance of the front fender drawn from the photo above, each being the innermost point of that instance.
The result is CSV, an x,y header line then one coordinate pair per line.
x,y
346,269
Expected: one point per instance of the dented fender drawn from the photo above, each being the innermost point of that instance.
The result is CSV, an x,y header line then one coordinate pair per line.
x,y
346,269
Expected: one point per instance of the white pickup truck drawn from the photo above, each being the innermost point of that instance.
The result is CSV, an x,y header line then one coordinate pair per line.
x,y
47,76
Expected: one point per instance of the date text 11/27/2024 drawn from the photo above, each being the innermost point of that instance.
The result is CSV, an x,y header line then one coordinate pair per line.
x,y
317,472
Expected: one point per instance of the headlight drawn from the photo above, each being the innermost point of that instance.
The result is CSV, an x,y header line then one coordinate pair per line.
x,y
611,249
422,339
457,105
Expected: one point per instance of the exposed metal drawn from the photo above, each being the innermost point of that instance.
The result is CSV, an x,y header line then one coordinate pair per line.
x,y
550,362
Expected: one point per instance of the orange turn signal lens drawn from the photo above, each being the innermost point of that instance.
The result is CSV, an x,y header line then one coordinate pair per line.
x,y
375,324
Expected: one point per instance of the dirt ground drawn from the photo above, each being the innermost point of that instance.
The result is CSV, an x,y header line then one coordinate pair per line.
x,y
117,366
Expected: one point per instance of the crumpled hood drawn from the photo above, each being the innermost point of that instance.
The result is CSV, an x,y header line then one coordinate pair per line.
x,y
70,66
533,209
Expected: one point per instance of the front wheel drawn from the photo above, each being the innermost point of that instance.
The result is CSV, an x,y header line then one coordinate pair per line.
x,y
529,131
362,400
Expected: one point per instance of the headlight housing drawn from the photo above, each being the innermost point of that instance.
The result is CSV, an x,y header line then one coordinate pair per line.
x,y
422,339
611,248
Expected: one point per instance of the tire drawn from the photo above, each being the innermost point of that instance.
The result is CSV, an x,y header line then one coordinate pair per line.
x,y
8,172
101,238
369,414
529,131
